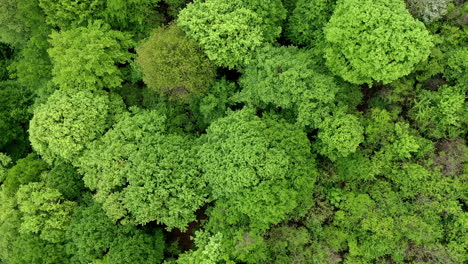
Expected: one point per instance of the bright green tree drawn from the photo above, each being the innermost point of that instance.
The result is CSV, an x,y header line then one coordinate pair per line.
x,y
259,170
209,250
142,172
29,248
70,14
69,121
374,40
174,66
305,25
339,135
88,57
230,32
137,16
44,211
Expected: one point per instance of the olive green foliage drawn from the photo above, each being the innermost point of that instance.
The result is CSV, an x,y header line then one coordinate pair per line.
x,y
451,156
374,40
69,121
44,211
428,10
14,115
258,168
442,113
174,66
25,170
231,32
305,24
87,57
142,172
13,28
290,245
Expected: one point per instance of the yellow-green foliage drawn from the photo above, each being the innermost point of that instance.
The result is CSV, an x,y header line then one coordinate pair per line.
x,y
371,40
231,31
69,121
87,57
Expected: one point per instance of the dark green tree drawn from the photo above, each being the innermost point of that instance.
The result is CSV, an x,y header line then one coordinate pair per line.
x,y
26,170
14,114
65,179
135,246
286,77
215,104
93,237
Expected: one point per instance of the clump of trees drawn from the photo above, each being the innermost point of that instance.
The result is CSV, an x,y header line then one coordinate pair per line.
x,y
242,131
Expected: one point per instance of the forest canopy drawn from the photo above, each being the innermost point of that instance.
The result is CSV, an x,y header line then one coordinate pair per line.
x,y
233,131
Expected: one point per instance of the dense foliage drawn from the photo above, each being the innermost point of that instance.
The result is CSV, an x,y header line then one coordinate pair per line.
x,y
174,66
233,131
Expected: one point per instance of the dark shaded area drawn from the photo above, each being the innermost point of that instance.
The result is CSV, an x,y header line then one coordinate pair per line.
x,y
184,238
